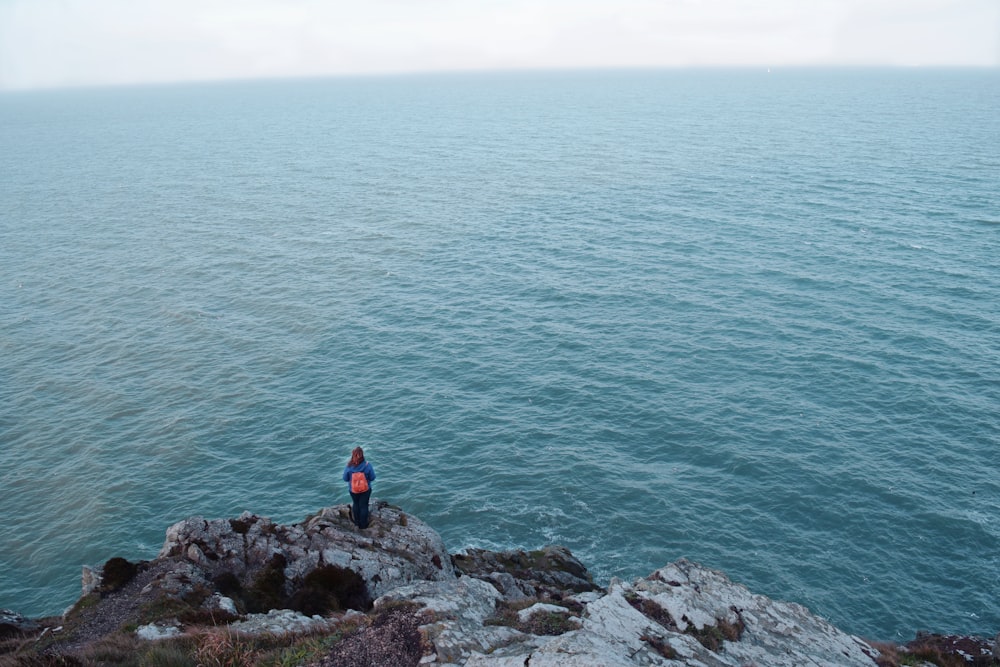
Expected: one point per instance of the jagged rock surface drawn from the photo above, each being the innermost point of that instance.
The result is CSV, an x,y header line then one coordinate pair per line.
x,y
452,617
215,571
281,622
548,572
395,549
478,609
682,614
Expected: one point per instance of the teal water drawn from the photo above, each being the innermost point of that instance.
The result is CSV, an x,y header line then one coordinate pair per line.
x,y
752,319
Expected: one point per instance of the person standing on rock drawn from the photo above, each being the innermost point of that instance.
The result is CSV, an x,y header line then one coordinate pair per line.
x,y
359,475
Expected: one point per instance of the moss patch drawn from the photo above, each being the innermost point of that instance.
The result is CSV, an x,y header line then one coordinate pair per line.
x,y
84,603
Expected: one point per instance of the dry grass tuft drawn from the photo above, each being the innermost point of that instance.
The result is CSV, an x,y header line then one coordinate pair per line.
x,y
651,610
660,646
225,648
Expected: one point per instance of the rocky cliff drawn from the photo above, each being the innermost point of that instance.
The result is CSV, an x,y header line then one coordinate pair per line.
x,y
247,591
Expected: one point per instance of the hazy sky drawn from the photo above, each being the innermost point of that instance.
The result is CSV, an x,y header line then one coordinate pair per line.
x,y
47,43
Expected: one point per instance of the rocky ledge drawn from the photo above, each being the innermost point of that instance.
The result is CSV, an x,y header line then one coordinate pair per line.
x,y
248,591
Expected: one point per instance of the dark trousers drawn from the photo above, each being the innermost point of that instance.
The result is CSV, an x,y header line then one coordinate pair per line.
x,y
360,508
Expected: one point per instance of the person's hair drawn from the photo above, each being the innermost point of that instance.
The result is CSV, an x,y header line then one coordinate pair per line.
x,y
357,456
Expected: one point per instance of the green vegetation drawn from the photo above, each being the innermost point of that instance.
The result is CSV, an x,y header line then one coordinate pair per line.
x,y
712,636
207,646
84,603
188,610
303,650
126,649
540,623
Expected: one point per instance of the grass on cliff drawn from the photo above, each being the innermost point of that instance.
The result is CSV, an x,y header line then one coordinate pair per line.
x,y
917,655
203,647
540,623
709,636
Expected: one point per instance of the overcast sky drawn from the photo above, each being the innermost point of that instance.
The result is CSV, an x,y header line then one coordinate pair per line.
x,y
53,43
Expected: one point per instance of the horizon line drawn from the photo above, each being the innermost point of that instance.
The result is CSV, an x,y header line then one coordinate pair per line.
x,y
416,73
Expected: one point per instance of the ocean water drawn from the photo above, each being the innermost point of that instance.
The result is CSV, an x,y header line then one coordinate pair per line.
x,y
748,318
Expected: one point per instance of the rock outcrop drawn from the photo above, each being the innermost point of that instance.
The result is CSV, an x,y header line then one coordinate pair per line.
x,y
254,554
241,570
547,572
682,614
392,595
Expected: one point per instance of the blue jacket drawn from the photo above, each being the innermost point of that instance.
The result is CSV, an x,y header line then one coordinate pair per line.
x,y
364,467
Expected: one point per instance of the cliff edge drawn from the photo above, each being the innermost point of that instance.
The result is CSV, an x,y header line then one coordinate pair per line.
x,y
248,591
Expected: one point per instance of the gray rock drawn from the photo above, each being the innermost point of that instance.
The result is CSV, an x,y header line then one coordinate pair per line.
x,y
548,572
539,608
685,614
458,610
705,602
176,580
509,587
90,580
587,597
395,549
281,622
222,603
452,615
155,631
211,571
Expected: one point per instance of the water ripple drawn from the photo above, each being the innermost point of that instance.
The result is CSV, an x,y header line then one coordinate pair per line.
x,y
750,321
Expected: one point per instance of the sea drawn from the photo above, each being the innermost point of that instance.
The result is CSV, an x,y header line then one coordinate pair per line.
x,y
746,317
